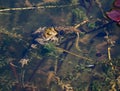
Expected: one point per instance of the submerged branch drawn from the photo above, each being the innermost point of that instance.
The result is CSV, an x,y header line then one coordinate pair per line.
x,y
36,7
81,23
67,46
85,58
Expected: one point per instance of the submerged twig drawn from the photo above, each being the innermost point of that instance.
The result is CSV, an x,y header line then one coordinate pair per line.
x,y
23,77
36,68
74,54
78,25
13,67
78,37
103,26
64,54
36,7
110,44
100,7
92,33
109,53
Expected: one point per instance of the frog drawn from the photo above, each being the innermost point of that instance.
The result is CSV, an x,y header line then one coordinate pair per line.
x,y
47,35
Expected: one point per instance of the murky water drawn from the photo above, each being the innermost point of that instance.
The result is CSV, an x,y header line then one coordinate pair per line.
x,y
58,45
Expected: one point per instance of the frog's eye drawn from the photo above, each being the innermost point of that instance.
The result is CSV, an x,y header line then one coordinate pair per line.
x,y
49,33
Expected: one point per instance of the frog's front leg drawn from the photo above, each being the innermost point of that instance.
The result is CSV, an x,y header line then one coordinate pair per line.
x,y
41,41
54,39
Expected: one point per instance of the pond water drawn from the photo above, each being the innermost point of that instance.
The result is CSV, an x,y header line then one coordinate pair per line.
x,y
59,45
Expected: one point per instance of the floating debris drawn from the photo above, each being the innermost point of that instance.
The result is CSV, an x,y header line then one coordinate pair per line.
x,y
92,66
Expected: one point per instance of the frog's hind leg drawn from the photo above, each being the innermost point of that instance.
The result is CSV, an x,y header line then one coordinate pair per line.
x,y
77,42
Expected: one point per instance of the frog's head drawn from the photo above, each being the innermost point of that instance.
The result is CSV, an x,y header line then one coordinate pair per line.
x,y
50,32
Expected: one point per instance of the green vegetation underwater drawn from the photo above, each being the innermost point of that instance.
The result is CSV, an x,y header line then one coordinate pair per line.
x,y
59,45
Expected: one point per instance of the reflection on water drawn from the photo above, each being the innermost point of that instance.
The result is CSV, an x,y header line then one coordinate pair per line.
x,y
64,46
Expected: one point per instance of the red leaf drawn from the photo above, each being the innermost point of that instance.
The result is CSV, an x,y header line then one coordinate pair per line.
x,y
114,15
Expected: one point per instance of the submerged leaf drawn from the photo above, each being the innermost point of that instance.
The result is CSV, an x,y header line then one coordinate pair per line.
x,y
114,15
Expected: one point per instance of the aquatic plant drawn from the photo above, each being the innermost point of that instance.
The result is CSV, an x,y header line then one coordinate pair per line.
x,y
78,15
49,50
6,82
6,79
10,34
91,25
96,86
